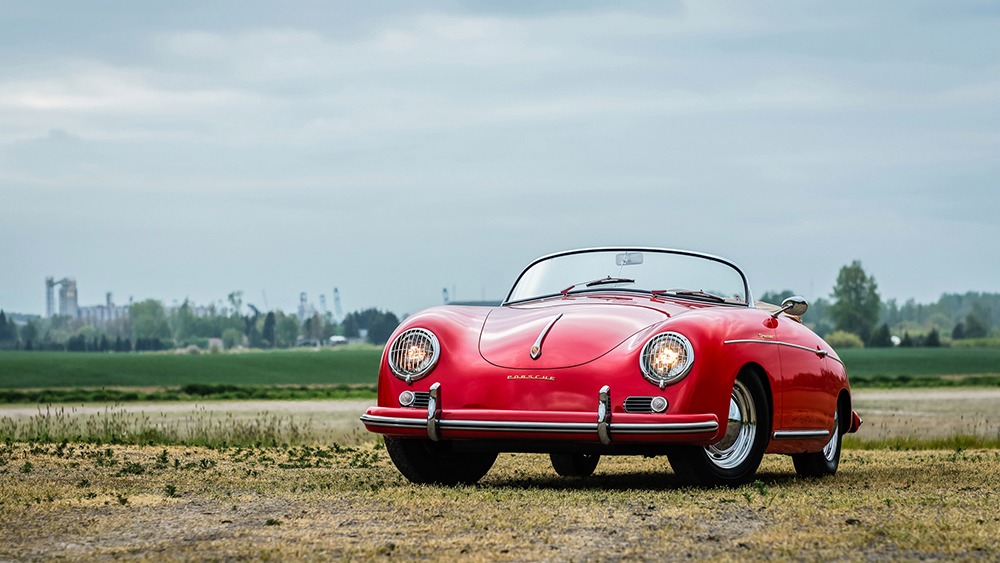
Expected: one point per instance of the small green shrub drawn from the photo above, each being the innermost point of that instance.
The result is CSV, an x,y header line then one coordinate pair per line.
x,y
844,339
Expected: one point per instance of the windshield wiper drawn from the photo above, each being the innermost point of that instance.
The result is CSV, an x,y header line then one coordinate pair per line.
x,y
599,281
690,293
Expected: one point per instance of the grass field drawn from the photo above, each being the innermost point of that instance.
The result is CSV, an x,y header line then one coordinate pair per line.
x,y
79,501
280,367
249,371
920,362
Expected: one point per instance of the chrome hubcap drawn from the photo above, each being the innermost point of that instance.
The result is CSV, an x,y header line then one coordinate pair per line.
x,y
734,448
830,449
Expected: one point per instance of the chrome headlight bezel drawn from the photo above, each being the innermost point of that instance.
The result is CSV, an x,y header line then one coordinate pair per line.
x,y
400,354
676,343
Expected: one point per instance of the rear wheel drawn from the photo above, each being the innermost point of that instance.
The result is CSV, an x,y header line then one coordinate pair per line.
x,y
826,462
575,465
734,459
424,461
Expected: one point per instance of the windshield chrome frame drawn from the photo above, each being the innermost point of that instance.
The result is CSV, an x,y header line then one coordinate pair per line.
x,y
746,284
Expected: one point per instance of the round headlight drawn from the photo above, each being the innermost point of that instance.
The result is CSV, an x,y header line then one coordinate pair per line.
x,y
666,358
413,354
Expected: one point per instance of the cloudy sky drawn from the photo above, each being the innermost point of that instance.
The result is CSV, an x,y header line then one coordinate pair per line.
x,y
188,149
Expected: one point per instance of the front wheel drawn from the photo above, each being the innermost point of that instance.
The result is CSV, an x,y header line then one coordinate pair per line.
x,y
826,462
424,461
734,459
575,465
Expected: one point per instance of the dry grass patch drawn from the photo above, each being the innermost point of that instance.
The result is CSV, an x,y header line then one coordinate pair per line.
x,y
88,501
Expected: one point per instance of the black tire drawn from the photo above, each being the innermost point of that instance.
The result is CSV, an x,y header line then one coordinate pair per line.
x,y
424,461
575,465
826,461
734,459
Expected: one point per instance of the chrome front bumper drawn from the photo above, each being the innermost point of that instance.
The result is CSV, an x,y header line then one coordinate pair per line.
x,y
479,423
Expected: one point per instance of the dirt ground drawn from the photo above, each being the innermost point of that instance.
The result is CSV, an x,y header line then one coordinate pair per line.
x,y
94,502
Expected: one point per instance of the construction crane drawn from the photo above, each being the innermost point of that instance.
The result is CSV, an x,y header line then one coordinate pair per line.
x,y
337,311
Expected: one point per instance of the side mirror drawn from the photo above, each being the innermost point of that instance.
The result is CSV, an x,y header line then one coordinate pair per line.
x,y
795,305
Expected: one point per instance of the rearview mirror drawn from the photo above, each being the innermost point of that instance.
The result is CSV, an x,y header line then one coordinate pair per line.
x,y
795,305
628,258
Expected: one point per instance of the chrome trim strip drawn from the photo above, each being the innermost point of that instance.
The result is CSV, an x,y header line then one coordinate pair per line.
x,y
560,427
393,422
604,415
819,352
666,428
520,426
800,434
434,412
536,348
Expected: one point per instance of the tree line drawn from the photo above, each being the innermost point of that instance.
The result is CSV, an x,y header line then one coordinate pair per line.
x,y
150,326
855,315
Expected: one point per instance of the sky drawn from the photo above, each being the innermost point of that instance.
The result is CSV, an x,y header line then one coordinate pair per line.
x,y
185,150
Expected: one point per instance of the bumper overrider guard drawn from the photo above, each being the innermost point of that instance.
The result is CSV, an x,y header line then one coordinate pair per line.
x,y
383,419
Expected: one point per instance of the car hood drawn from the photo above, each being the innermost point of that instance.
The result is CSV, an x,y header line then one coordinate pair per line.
x,y
577,332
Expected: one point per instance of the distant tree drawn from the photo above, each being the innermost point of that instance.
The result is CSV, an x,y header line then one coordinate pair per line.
x,y
907,341
149,320
381,328
232,337
890,312
974,327
933,339
881,338
8,331
350,325
856,301
286,330
313,327
29,333
268,331
818,317
183,322
958,332
235,299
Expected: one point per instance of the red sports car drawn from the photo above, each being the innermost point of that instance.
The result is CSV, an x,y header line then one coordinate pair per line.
x,y
614,351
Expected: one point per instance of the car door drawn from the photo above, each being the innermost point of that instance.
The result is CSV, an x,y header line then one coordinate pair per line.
x,y
807,401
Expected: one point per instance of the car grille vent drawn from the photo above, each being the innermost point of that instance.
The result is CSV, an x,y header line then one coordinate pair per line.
x,y
421,399
638,404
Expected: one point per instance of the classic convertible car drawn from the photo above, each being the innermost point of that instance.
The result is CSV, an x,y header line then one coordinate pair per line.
x,y
614,351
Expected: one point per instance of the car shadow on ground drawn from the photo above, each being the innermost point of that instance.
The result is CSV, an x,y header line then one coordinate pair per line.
x,y
642,480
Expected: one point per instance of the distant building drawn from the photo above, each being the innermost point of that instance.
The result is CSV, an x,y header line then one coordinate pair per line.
x,y
99,314
70,307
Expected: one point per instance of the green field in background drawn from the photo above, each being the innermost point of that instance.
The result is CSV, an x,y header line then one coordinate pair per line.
x,y
920,362
19,370
280,367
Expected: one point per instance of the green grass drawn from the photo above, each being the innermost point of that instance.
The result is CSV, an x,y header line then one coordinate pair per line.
x,y
187,393
66,377
920,362
20,370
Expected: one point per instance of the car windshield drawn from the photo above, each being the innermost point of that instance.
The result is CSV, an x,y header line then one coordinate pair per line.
x,y
667,272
